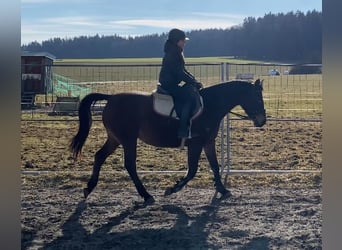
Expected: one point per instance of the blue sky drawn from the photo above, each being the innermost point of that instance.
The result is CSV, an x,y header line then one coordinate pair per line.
x,y
45,19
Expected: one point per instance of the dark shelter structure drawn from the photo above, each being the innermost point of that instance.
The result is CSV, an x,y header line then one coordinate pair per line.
x,y
36,76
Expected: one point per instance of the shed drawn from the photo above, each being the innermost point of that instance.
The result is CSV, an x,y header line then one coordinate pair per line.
x,y
36,73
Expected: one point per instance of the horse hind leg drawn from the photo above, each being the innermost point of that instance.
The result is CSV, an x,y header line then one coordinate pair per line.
x,y
130,152
100,157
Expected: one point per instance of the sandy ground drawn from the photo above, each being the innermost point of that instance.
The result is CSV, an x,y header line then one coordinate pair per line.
x,y
267,217
265,212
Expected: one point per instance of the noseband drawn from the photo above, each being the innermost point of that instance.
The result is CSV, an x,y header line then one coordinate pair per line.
x,y
245,117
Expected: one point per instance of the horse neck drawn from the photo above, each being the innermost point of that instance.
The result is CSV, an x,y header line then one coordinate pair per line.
x,y
225,96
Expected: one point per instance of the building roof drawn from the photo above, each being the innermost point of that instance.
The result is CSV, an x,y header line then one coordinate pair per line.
x,y
38,54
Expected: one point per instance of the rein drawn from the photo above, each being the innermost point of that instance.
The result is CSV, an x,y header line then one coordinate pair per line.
x,y
245,117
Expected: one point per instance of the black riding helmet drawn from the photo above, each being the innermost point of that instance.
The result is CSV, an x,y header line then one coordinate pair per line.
x,y
176,34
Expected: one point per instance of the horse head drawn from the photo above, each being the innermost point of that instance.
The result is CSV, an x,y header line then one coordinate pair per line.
x,y
253,104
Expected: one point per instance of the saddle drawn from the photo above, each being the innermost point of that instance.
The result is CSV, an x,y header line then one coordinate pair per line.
x,y
163,104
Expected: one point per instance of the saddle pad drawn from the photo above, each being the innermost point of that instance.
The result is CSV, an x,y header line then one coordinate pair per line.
x,y
163,105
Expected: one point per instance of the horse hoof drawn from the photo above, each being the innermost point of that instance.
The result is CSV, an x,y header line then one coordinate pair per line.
x,y
168,191
149,201
226,194
85,193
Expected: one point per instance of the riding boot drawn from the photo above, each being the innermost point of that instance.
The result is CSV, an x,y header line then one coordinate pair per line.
x,y
183,131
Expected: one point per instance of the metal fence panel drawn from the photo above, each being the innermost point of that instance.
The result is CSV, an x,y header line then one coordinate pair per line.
x,y
291,140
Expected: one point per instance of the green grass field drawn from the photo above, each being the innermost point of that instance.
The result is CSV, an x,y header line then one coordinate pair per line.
x,y
292,96
154,60
280,145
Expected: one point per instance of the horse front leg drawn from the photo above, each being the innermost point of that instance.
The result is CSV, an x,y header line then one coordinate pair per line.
x,y
130,152
194,152
210,153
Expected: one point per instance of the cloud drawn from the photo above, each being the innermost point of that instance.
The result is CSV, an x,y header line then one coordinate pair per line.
x,y
218,15
71,26
30,2
36,1
73,21
186,24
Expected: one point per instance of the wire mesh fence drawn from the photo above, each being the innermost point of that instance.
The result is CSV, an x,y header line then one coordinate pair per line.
x,y
286,95
291,145
291,140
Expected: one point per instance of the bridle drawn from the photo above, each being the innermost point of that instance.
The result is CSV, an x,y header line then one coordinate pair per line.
x,y
244,117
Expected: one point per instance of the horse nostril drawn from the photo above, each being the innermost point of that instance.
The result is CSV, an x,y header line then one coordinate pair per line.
x,y
260,120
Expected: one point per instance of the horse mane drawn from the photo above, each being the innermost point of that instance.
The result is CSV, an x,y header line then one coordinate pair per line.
x,y
231,82
226,86
134,92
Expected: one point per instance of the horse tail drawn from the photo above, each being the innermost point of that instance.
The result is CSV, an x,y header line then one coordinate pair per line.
x,y
85,122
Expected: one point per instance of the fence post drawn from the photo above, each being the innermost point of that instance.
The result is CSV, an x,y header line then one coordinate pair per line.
x,y
228,132
224,76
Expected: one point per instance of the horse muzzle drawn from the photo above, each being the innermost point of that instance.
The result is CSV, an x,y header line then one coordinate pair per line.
x,y
259,120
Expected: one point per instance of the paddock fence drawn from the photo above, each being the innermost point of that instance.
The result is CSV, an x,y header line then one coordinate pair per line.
x,y
290,141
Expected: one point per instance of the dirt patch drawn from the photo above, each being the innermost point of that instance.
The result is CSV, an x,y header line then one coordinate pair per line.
x,y
114,218
265,211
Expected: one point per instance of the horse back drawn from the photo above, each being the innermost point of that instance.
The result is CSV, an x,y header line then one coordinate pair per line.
x,y
129,116
127,105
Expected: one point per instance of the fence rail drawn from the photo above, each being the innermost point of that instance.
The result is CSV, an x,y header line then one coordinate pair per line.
x,y
293,104
286,95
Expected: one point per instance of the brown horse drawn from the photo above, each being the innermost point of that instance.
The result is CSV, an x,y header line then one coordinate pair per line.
x,y
129,116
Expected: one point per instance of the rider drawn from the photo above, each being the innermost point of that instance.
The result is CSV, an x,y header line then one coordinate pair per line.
x,y
176,80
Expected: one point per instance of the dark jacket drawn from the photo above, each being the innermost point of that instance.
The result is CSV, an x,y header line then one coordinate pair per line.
x,y
173,68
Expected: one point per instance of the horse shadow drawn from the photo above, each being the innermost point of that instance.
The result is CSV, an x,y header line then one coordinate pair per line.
x,y
185,233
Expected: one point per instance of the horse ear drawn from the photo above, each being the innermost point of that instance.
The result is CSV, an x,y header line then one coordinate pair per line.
x,y
259,82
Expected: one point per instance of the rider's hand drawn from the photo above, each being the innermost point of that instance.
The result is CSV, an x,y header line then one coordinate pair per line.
x,y
198,85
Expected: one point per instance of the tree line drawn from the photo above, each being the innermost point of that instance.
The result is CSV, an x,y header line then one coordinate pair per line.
x,y
291,37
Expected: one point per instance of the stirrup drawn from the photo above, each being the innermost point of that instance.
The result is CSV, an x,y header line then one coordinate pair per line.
x,y
181,147
183,139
